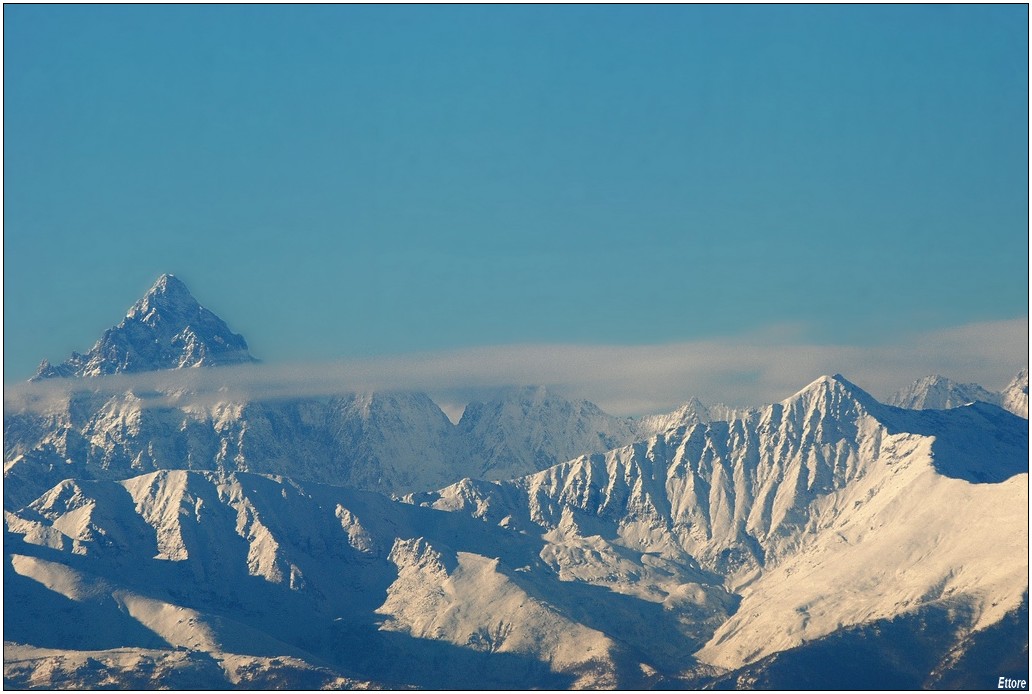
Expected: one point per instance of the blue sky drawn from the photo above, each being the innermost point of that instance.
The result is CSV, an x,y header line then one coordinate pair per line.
x,y
343,182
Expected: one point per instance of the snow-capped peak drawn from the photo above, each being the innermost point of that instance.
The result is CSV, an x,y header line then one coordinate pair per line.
x,y
831,393
166,329
168,294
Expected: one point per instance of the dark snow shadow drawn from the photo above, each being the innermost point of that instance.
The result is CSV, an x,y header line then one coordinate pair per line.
x,y
980,443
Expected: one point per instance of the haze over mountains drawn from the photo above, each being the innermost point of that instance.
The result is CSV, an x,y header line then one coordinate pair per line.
x,y
538,542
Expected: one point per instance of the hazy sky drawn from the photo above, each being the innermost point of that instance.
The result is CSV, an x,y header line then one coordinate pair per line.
x,y
345,182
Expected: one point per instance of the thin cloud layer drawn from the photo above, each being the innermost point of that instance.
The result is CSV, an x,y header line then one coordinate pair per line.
x,y
624,380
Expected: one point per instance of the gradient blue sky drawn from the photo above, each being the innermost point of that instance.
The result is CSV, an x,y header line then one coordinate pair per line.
x,y
348,181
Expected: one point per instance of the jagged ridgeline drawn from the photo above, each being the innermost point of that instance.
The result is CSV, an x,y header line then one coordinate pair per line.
x,y
826,541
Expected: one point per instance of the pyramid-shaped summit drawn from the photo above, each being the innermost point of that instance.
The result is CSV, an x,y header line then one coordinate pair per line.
x,y
166,329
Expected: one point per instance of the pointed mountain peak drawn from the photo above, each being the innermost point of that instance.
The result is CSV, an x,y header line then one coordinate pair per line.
x,y
166,329
168,294
833,390
693,403
167,282
844,382
821,384
170,286
693,411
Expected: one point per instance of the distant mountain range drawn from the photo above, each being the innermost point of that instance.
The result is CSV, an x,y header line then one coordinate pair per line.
x,y
940,393
826,541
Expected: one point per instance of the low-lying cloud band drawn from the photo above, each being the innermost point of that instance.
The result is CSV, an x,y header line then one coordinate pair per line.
x,y
623,380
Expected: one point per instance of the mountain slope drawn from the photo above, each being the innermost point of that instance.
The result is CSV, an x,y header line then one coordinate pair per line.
x,y
385,441
669,562
353,584
1015,395
166,329
826,489
527,429
904,652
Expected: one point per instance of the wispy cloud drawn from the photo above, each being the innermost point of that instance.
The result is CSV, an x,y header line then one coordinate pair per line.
x,y
743,371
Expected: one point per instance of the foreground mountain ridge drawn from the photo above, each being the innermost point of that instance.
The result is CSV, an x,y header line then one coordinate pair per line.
x,y
726,540
748,500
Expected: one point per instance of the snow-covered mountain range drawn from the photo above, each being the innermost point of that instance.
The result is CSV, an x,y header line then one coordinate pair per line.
x,y
828,540
383,441
940,393
392,442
